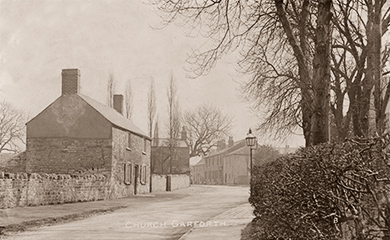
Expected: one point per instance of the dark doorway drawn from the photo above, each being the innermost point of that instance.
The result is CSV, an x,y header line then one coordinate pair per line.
x,y
226,178
169,183
136,174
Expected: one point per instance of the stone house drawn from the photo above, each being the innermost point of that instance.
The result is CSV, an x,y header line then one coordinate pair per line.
x,y
236,167
164,148
76,134
197,172
229,165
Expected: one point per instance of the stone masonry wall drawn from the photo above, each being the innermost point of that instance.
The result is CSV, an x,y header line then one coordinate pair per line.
x,y
22,189
138,153
159,183
68,155
178,181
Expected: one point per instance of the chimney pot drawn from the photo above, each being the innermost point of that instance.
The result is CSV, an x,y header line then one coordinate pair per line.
x,y
118,103
70,81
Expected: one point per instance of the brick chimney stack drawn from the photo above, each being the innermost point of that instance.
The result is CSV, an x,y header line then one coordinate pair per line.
x,y
118,103
70,81
184,134
231,142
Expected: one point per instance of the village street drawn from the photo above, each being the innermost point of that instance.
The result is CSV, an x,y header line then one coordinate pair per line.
x,y
198,212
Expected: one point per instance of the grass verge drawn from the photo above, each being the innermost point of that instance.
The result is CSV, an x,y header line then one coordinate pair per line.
x,y
14,228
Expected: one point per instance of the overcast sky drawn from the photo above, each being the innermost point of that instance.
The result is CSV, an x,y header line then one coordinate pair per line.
x,y
40,38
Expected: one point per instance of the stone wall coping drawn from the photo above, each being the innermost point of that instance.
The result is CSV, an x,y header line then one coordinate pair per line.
x,y
173,174
51,176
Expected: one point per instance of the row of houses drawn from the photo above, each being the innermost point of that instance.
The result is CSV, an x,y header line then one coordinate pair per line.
x,y
228,165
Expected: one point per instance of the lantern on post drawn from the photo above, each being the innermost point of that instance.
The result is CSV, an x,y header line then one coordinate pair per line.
x,y
251,141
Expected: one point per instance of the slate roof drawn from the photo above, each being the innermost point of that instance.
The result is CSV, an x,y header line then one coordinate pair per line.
x,y
201,162
228,150
244,150
114,116
195,160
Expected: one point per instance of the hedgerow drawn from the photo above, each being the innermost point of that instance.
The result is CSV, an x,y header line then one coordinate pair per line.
x,y
329,191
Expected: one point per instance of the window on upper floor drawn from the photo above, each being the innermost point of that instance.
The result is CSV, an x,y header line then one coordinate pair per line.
x,y
129,145
145,146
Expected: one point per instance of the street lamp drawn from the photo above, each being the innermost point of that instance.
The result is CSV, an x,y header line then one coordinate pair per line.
x,y
250,142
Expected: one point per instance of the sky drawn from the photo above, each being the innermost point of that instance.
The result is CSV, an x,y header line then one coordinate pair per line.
x,y
125,38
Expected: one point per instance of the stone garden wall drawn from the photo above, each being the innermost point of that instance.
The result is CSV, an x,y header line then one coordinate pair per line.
x,y
177,181
22,189
159,183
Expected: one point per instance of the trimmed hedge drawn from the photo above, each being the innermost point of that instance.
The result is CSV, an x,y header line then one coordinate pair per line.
x,y
330,191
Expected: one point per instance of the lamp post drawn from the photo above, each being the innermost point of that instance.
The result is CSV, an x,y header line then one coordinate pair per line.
x,y
250,142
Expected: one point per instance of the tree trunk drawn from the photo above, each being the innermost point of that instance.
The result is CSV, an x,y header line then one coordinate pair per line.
x,y
321,74
306,123
303,59
376,36
373,73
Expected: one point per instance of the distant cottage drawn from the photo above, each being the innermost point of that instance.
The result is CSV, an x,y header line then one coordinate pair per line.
x,y
76,134
171,155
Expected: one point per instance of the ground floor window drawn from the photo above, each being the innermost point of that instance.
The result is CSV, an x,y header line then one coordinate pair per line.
x,y
143,174
128,173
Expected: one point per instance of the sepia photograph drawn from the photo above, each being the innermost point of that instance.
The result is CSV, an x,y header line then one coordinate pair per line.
x,y
195,119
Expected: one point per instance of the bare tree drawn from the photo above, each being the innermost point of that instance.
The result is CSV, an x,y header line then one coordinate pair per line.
x,y
111,85
162,153
151,107
283,29
129,100
359,29
173,110
321,73
174,119
286,47
205,126
156,130
155,142
375,65
12,128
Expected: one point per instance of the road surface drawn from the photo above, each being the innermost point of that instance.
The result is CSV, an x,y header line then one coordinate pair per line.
x,y
199,212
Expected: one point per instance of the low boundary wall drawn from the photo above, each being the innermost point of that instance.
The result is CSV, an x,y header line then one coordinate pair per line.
x,y
22,189
169,182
